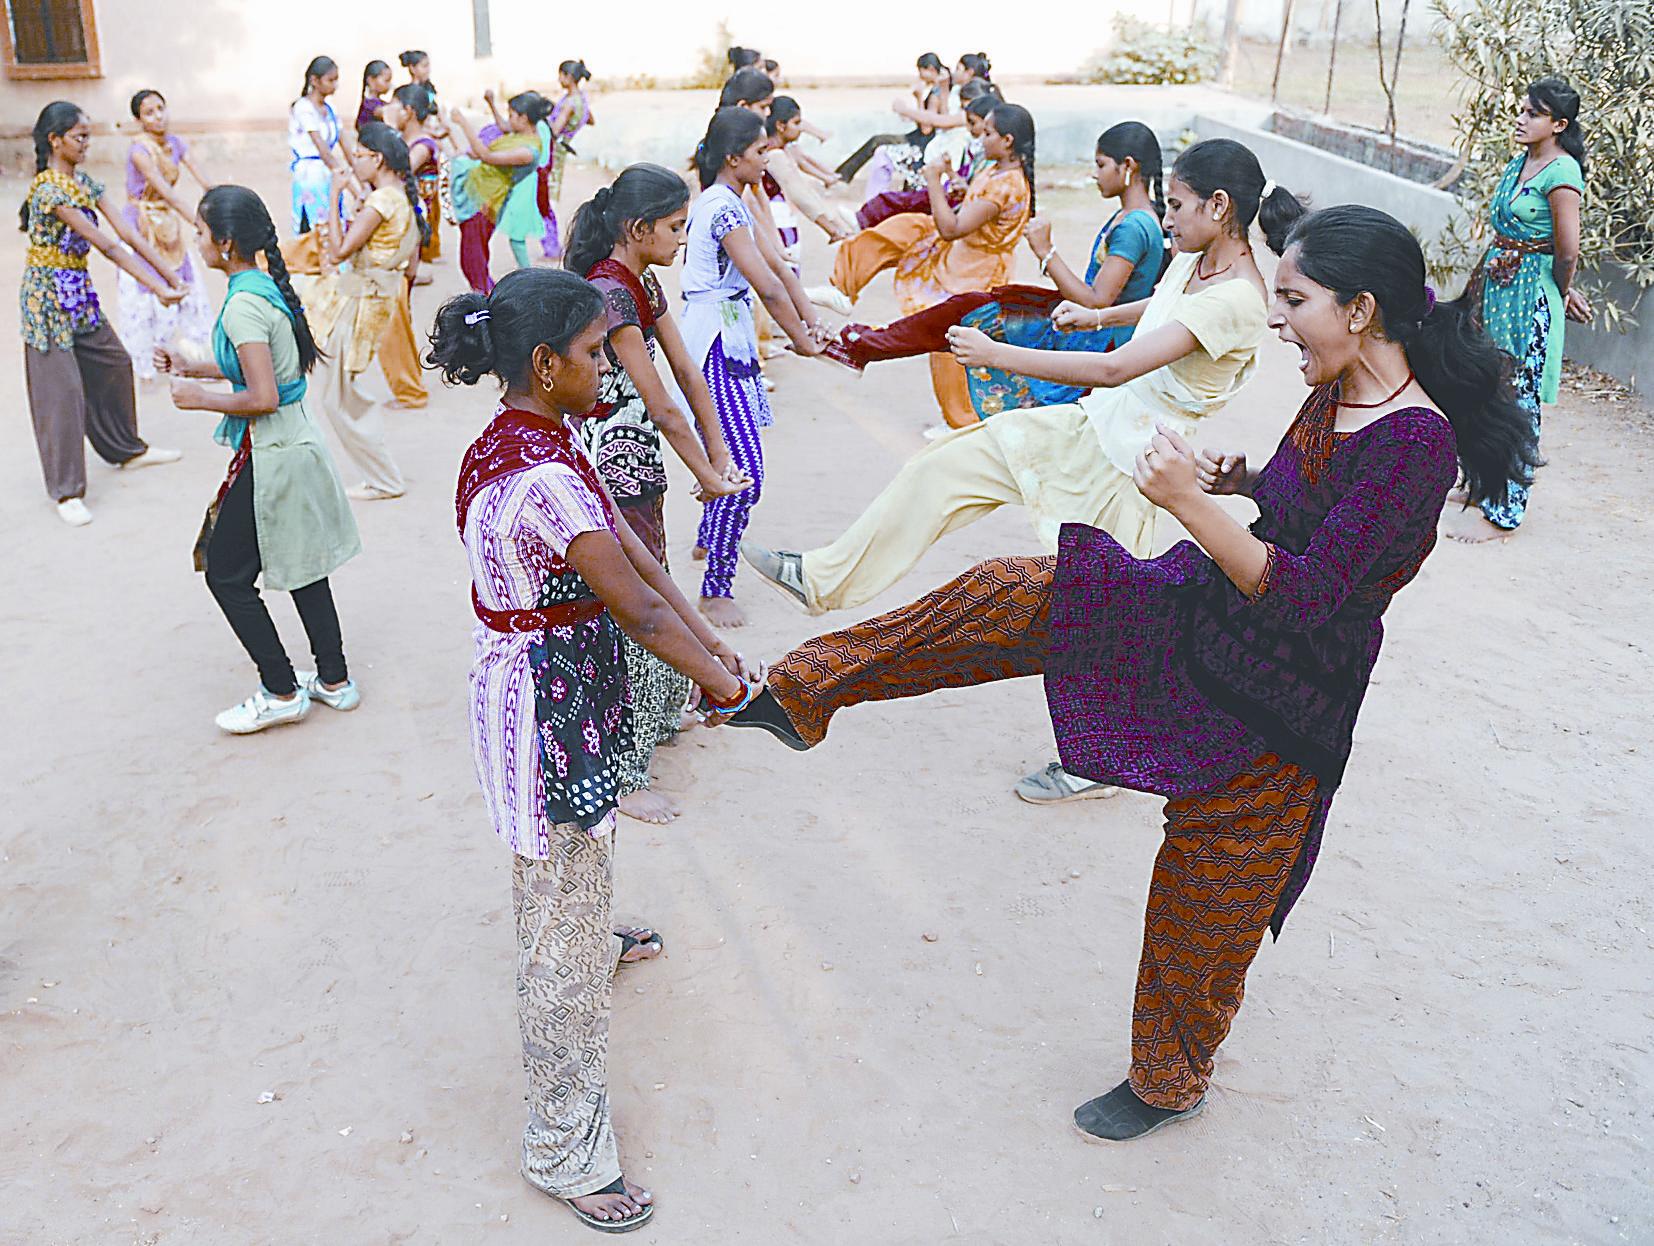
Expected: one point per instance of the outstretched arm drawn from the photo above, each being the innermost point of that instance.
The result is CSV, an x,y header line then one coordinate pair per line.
x,y
744,253
120,256
633,353
1084,368
635,596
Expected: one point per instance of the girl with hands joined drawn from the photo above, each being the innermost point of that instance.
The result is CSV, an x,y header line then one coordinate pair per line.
x,y
557,580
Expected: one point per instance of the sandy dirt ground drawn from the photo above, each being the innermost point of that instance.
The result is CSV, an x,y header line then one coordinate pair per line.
x,y
1451,1043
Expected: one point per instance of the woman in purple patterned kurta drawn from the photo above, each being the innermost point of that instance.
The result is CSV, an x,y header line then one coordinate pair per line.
x,y
1226,674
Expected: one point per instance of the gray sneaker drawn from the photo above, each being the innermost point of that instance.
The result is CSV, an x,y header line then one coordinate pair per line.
x,y
1055,786
782,571
342,699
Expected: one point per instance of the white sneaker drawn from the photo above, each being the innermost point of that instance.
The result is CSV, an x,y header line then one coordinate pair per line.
x,y
151,457
342,699
832,298
262,710
73,512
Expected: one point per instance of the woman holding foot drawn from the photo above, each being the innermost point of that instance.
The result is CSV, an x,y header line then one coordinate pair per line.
x,y
1226,674
618,239
1525,282
556,582
726,260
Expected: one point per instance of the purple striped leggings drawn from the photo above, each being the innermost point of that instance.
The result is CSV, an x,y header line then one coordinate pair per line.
x,y
737,391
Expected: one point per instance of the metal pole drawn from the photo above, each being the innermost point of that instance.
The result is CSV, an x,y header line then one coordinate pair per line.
x,y
1280,52
1332,55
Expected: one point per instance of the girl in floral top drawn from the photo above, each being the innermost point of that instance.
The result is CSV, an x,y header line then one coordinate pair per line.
x,y
78,374
556,582
618,238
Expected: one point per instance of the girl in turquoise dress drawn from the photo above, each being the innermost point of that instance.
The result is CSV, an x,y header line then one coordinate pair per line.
x,y
1525,279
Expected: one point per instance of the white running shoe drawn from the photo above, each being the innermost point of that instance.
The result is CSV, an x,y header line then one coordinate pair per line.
x,y
342,699
832,298
262,710
151,458
73,512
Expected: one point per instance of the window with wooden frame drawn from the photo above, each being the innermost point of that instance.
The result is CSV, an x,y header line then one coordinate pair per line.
x,y
50,39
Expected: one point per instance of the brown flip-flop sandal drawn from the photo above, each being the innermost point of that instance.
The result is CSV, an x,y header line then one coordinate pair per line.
x,y
644,937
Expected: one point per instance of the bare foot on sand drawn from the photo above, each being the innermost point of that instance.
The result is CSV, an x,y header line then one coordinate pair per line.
x,y
614,1206
1472,528
722,612
647,806
698,553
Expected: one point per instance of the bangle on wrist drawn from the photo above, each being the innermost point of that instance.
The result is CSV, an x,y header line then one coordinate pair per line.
x,y
1099,317
1045,263
749,693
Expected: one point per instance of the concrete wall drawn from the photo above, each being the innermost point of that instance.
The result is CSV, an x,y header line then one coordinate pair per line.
x,y
1329,179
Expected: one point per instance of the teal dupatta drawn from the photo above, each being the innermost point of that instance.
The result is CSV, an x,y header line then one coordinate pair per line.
x,y
232,428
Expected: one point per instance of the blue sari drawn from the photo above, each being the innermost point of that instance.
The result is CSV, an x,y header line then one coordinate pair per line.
x,y
1026,321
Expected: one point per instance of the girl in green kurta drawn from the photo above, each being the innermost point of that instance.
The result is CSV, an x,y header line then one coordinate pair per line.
x,y
1526,276
281,511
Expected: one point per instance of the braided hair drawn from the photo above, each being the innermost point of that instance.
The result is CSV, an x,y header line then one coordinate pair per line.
x,y
238,216
55,120
1016,123
389,146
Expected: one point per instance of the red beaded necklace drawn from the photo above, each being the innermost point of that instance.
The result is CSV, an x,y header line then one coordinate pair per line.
x,y
1312,433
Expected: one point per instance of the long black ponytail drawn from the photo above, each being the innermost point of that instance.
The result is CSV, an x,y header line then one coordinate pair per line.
x,y
1222,164
1558,99
1016,123
1352,249
237,215
730,132
643,193
378,137
55,120
319,67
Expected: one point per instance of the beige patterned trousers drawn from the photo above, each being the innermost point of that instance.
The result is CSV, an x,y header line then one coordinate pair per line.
x,y
566,958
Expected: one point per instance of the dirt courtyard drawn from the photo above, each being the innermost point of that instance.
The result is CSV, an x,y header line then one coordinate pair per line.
x,y
259,990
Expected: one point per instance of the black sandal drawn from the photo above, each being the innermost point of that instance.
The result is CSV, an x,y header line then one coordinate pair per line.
x,y
650,938
766,714
617,1186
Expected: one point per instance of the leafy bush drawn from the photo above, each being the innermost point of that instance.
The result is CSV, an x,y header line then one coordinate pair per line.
x,y
712,65
1142,53
1605,48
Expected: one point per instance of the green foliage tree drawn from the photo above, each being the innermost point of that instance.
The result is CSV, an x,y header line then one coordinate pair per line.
x,y
712,64
1605,48
1142,53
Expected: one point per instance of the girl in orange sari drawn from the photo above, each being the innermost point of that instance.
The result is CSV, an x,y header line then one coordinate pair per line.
x,y
950,251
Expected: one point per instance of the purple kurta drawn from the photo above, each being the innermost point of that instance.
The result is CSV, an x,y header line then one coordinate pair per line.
x,y
1164,677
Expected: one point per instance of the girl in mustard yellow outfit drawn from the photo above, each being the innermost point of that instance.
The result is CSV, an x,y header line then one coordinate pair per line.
x,y
351,307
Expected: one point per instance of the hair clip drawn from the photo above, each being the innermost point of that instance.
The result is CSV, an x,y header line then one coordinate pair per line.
x,y
1429,299
476,317
1269,188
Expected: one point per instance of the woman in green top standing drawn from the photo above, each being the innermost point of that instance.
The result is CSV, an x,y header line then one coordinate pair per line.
x,y
281,511
1526,277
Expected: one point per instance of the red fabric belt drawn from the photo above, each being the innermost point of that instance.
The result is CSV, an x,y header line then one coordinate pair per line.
x,y
536,620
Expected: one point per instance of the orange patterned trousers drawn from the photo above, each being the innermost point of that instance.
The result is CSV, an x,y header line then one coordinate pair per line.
x,y
1227,855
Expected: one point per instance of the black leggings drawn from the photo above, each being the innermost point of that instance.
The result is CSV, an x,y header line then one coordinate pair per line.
x,y
233,565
